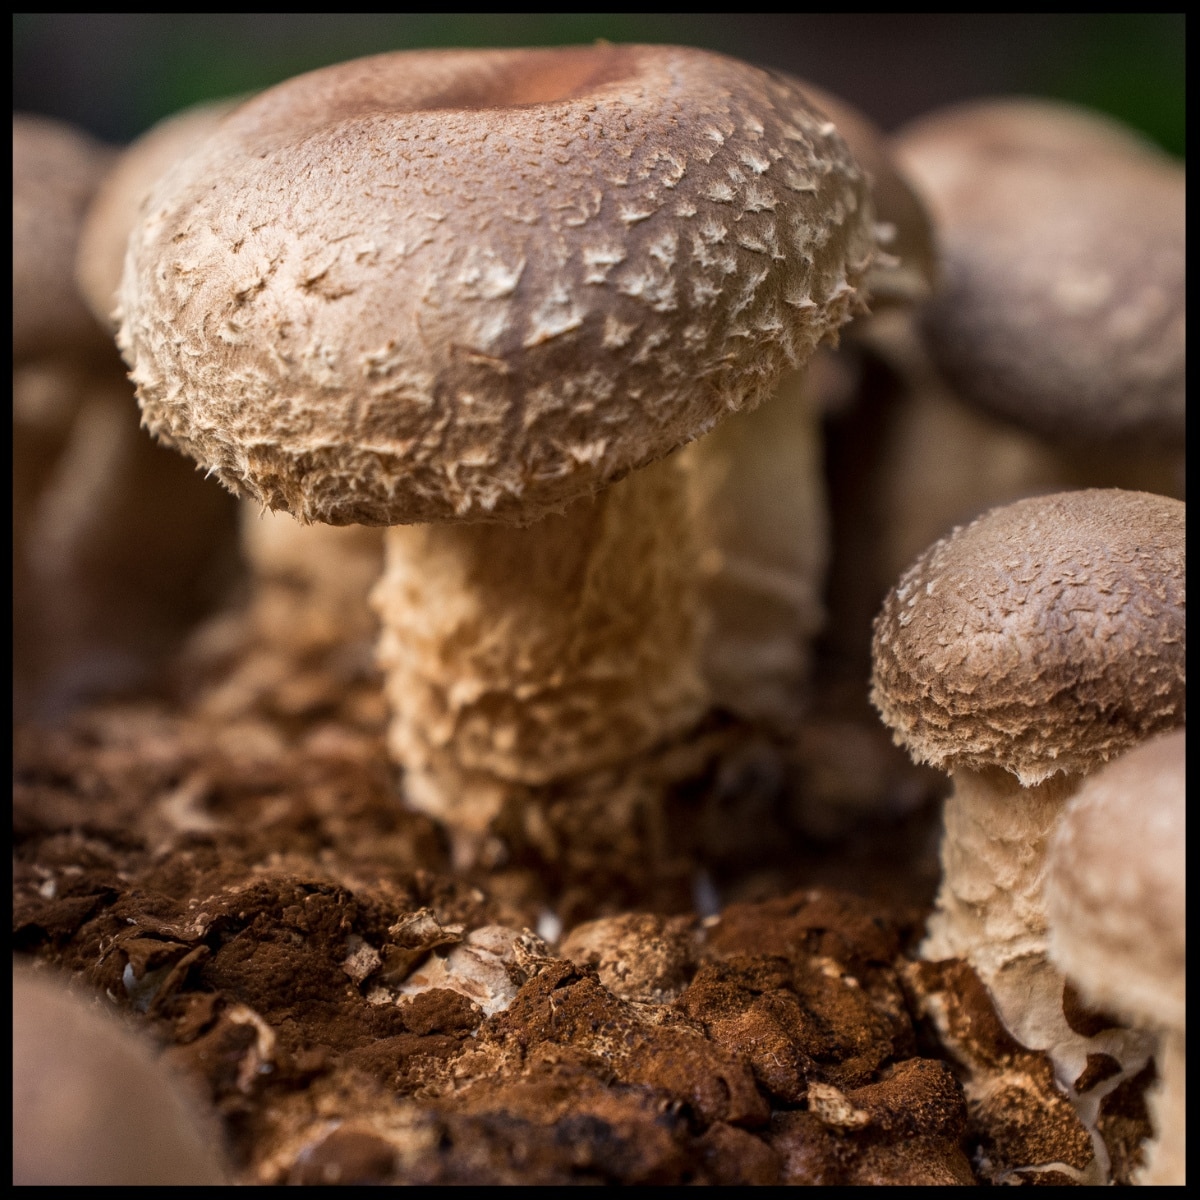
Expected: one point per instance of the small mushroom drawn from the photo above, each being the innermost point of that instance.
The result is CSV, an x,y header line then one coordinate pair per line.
x,y
1116,904
1019,654
92,1106
474,289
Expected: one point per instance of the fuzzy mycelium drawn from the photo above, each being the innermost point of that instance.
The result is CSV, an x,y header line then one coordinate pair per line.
x,y
1019,654
473,287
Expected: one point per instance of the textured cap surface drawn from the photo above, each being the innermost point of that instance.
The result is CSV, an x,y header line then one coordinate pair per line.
x,y
477,285
1062,246
1046,636
1116,884
55,171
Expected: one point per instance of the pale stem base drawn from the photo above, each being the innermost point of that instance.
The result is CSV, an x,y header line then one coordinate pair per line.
x,y
522,657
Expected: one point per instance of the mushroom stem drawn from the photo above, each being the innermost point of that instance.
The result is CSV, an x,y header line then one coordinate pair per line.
x,y
759,502
989,908
312,581
991,912
1167,1154
520,657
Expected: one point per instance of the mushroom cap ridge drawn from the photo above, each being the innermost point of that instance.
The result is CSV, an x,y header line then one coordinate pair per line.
x,y
478,285
1116,885
1047,636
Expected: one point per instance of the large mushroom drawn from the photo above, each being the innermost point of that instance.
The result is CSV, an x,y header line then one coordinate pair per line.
x,y
1019,654
464,292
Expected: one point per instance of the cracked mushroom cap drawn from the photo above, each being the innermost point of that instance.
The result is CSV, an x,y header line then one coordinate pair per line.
x,y
56,169
1116,885
480,284
1047,636
1062,305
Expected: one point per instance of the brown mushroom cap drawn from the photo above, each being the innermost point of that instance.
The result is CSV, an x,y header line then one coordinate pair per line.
x,y
55,171
478,285
1116,885
1047,636
114,209
1062,248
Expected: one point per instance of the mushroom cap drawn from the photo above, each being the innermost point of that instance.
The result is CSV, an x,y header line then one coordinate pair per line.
x,y
1061,238
480,284
1116,885
55,171
1047,636
114,209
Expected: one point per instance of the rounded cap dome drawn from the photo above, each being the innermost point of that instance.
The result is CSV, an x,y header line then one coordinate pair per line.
x,y
55,171
1116,884
1062,246
477,285
1047,636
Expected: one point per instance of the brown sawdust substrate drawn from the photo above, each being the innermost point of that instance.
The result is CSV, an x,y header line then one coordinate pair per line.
x,y
260,898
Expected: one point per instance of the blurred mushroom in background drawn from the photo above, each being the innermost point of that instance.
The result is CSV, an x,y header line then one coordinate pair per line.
x,y
116,547
1049,355
92,1105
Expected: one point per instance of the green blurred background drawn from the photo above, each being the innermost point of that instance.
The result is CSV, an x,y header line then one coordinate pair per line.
x,y
115,74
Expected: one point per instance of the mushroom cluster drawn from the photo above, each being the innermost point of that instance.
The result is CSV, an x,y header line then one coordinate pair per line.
x,y
1020,654
524,368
